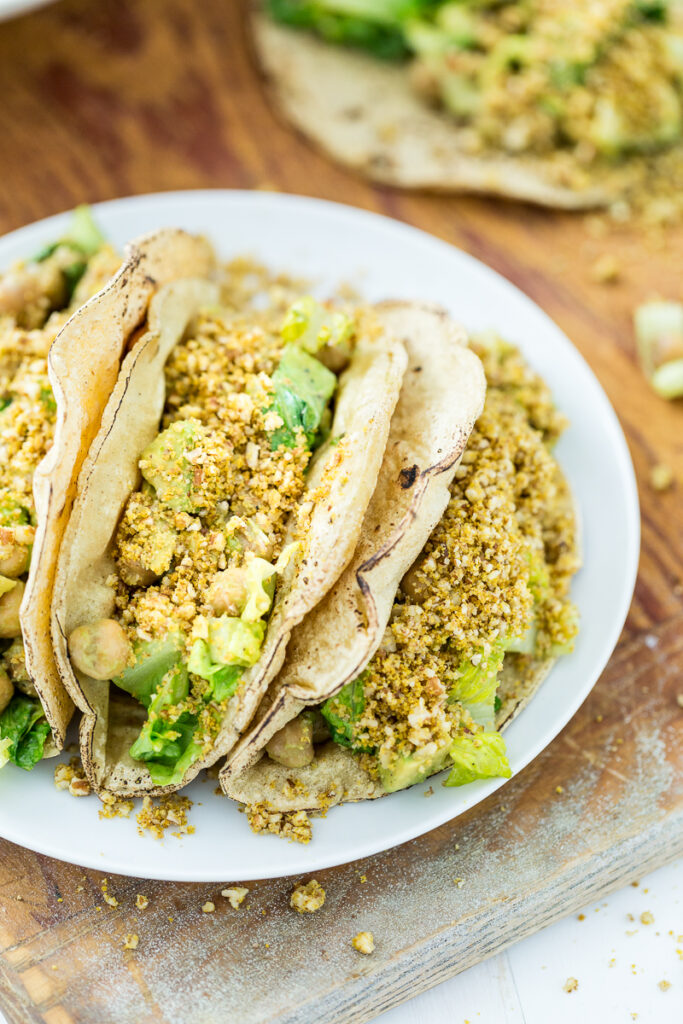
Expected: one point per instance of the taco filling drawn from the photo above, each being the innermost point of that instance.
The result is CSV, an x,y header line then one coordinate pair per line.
x,y
531,77
476,618
203,540
37,297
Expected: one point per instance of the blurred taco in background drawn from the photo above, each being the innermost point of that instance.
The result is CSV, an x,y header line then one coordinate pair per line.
x,y
220,501
37,299
560,104
474,627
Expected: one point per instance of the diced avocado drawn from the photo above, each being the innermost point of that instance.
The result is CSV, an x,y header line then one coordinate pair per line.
x,y
303,387
12,513
164,465
153,659
398,771
235,642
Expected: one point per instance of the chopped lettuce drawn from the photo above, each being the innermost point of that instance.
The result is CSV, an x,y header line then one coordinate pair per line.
x,y
260,588
476,686
343,711
153,659
478,756
23,731
311,325
659,335
371,25
5,747
164,738
223,678
303,388
82,235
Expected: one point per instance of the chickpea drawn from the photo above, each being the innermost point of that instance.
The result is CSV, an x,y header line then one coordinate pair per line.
x,y
228,592
15,663
100,649
411,584
6,690
292,746
15,549
135,574
15,563
9,611
335,357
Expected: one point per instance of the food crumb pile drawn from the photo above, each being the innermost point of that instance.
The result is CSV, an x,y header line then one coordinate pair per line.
x,y
307,897
157,816
235,895
363,942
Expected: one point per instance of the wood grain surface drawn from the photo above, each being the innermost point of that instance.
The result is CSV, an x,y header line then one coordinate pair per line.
x,y
101,98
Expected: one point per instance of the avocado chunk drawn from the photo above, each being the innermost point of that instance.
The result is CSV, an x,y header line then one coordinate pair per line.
x,y
164,464
398,771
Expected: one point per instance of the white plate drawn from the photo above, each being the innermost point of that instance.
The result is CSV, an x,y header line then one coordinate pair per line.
x,y
332,243
13,8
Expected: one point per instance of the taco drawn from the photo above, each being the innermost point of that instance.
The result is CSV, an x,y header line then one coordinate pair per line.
x,y
220,501
464,643
37,298
537,101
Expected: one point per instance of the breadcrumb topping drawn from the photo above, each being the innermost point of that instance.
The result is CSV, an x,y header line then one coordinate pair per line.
x,y
364,942
158,815
293,825
307,897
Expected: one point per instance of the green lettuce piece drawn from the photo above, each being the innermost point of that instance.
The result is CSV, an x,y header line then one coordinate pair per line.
x,y
476,686
481,756
303,388
224,679
12,513
82,235
372,25
164,740
24,729
343,711
260,589
312,325
5,747
233,641
153,659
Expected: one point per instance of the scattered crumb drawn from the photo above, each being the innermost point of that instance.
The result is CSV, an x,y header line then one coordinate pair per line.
x,y
606,269
60,899
559,789
598,718
429,792
459,882
80,888
364,942
679,700
108,899
131,941
664,985
306,899
581,917
612,962
647,918
293,825
113,807
159,815
208,907
71,776
570,985
235,895
661,477
141,902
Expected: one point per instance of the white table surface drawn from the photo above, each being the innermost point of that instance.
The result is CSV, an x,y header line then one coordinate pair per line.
x,y
617,961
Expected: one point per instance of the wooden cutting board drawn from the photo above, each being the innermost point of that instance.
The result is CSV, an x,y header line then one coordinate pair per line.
x,y
113,97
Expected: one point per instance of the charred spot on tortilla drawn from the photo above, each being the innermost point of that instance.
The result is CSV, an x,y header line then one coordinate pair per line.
x,y
408,477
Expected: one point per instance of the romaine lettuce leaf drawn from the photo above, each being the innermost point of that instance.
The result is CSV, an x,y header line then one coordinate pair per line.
x,y
153,659
164,740
223,678
476,687
343,711
25,726
233,641
5,746
478,756
303,388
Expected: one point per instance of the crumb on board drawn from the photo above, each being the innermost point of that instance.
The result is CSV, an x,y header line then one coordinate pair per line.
x,y
362,879
661,476
71,776
235,895
110,900
293,825
664,985
570,985
307,897
159,815
113,807
459,882
647,917
679,699
141,902
581,917
606,269
364,942
559,790
131,941
429,792
208,907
